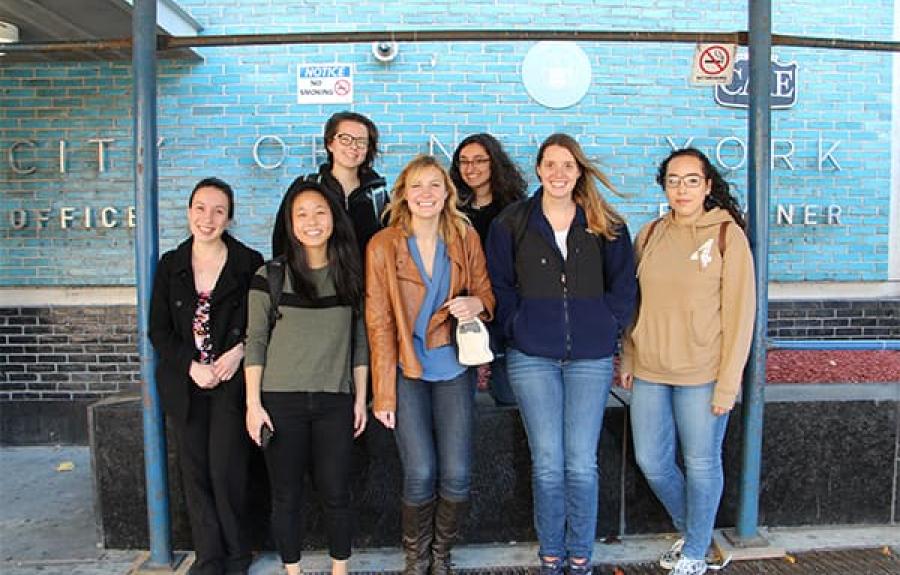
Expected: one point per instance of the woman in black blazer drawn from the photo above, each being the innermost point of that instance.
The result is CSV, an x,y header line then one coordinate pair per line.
x,y
198,315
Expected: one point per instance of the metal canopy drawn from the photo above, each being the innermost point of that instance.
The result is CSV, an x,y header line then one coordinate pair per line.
x,y
49,21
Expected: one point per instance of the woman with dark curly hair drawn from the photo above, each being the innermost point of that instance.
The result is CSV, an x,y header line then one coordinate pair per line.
x,y
486,178
487,181
684,355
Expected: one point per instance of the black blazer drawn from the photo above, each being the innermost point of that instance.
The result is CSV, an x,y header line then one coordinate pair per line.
x,y
172,313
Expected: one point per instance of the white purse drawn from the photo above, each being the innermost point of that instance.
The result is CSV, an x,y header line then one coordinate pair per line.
x,y
473,343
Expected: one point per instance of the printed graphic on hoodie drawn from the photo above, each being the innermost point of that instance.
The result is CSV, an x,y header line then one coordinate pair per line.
x,y
703,254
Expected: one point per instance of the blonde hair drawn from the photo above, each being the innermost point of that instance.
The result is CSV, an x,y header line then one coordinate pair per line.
x,y
602,218
452,221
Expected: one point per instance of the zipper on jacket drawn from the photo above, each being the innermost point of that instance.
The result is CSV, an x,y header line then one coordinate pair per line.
x,y
565,291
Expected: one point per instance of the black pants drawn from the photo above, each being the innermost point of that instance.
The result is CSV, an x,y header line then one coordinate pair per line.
x,y
313,431
213,451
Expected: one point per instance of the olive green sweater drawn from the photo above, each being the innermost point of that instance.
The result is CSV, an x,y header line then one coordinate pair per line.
x,y
313,344
697,306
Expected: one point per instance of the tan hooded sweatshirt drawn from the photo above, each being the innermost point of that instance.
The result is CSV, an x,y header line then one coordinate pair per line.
x,y
695,320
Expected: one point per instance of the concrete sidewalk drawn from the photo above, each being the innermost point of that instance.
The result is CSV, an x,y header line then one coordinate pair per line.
x,y
47,527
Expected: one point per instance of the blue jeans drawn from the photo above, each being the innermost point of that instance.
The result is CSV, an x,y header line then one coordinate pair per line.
x,y
562,404
664,418
435,422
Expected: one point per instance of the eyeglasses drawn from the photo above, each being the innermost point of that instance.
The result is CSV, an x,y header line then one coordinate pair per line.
x,y
348,140
477,162
690,181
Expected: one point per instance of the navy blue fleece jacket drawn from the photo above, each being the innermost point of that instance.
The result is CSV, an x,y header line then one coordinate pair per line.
x,y
549,307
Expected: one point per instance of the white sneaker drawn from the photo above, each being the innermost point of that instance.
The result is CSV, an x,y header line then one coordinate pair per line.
x,y
717,563
686,566
671,557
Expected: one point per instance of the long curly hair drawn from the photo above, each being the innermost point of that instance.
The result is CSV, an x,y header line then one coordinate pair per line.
x,y
720,195
452,221
602,218
342,250
507,183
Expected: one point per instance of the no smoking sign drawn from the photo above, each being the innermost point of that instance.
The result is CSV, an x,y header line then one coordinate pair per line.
x,y
713,64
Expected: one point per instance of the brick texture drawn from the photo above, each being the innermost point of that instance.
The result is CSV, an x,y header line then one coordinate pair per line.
x,y
76,353
212,112
67,352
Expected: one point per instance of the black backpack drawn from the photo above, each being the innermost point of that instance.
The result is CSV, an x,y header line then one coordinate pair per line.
x,y
275,279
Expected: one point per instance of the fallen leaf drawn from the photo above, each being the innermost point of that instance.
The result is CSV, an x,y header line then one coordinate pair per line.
x,y
886,551
65,466
618,571
790,558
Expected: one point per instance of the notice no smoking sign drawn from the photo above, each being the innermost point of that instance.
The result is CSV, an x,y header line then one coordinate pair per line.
x,y
713,64
325,84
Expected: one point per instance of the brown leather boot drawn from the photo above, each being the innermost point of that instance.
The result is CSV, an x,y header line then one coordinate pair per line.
x,y
418,532
447,520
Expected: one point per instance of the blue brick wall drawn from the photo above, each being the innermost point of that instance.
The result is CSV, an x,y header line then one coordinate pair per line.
x,y
212,112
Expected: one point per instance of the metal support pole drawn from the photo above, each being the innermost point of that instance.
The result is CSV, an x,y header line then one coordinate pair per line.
x,y
758,174
146,249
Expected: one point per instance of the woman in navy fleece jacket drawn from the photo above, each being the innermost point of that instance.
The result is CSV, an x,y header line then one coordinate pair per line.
x,y
562,269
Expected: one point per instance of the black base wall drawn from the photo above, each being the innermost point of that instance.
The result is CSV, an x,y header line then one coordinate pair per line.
x,y
823,463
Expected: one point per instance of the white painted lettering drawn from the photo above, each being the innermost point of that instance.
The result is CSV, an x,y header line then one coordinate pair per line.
x,y
101,151
41,216
834,215
785,216
62,156
259,142
433,142
131,217
742,150
785,157
828,155
674,146
810,213
107,217
18,218
782,87
11,156
66,217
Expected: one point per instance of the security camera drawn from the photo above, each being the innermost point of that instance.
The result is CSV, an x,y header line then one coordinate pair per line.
x,y
385,51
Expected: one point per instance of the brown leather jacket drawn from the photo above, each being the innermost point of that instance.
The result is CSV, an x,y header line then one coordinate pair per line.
x,y
394,294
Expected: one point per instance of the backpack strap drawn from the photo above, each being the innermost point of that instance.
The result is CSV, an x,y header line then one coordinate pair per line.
x,y
649,233
723,229
275,279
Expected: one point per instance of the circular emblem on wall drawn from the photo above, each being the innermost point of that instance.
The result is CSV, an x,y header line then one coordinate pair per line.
x,y
556,74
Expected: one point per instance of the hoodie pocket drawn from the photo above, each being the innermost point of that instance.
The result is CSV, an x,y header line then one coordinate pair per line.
x,y
667,342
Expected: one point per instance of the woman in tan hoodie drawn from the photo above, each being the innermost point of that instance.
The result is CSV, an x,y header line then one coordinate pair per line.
x,y
685,353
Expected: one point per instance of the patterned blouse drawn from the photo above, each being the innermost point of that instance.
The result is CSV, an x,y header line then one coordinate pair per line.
x,y
201,328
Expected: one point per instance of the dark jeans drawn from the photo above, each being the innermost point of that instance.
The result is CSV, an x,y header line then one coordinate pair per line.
x,y
312,431
434,436
213,452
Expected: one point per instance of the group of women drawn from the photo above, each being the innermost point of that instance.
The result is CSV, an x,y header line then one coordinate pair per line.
x,y
368,290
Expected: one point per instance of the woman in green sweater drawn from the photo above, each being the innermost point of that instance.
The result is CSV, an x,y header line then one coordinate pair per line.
x,y
306,374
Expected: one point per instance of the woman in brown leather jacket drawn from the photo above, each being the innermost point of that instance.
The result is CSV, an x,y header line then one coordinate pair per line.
x,y
424,272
